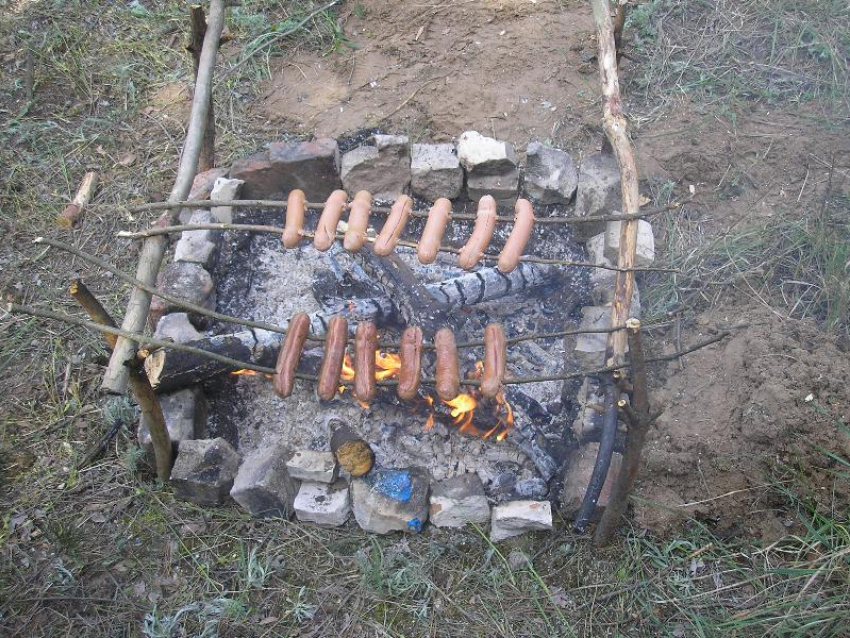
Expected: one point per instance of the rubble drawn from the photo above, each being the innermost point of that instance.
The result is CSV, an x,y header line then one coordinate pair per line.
x,y
323,504
188,281
435,171
176,327
264,486
225,190
198,246
382,169
484,155
598,192
550,176
311,166
578,474
309,465
204,471
391,500
185,413
458,501
517,517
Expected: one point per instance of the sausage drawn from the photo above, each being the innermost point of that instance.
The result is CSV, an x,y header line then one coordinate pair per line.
x,y
410,351
296,207
335,342
290,353
358,221
485,224
329,219
448,374
495,359
438,217
365,344
394,226
520,234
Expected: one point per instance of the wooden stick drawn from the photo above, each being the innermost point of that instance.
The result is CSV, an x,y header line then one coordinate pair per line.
x,y
639,422
117,373
616,129
73,211
139,384
619,26
502,219
206,160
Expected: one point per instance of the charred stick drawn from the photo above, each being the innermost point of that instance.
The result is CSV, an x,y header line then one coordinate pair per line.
x,y
73,211
139,385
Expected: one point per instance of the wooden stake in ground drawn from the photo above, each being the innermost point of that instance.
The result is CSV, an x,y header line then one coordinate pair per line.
x,y
206,160
117,374
616,129
139,384
73,211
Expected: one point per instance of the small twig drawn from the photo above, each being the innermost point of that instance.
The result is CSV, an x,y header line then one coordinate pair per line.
x,y
411,96
73,211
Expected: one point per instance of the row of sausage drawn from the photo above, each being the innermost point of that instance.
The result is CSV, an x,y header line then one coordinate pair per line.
x,y
410,354
386,241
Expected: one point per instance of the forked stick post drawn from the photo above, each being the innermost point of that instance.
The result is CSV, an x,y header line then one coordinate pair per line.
x,y
139,384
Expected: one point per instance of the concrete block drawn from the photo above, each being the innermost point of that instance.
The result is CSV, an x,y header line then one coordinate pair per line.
x,y
551,176
517,517
485,155
458,501
645,250
435,171
391,500
185,413
323,504
204,471
309,465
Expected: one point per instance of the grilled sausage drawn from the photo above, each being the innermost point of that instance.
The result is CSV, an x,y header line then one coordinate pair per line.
x,y
335,342
520,234
394,226
495,359
448,374
296,207
328,221
438,217
485,224
410,351
358,221
365,344
290,353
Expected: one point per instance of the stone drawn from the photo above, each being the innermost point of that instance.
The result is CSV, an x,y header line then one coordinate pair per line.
x,y
598,192
387,501
225,190
504,188
309,465
458,501
201,189
311,166
323,504
603,280
518,560
204,471
577,476
485,155
176,327
435,171
551,175
645,249
185,413
382,169
264,486
517,517
590,348
188,281
198,246
532,488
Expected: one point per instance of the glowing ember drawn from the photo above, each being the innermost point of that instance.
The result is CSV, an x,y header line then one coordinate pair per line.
x,y
250,373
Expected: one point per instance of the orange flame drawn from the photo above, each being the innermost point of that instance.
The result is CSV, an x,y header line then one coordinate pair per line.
x,y
250,373
388,365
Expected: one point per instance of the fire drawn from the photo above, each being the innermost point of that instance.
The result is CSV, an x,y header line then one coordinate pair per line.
x,y
250,373
388,365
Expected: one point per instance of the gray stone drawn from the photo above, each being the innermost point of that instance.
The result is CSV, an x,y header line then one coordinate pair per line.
x,y
644,250
503,188
198,246
311,166
532,488
517,517
204,471
225,190
383,169
458,501
598,192
579,470
518,560
185,413
202,186
263,485
435,171
485,155
590,348
188,281
309,465
323,504
551,175
602,280
176,327
391,500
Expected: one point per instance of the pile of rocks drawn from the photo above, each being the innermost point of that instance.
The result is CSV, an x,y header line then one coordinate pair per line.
x,y
308,485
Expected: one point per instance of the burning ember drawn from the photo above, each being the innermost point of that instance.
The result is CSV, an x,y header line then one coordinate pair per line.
x,y
250,373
